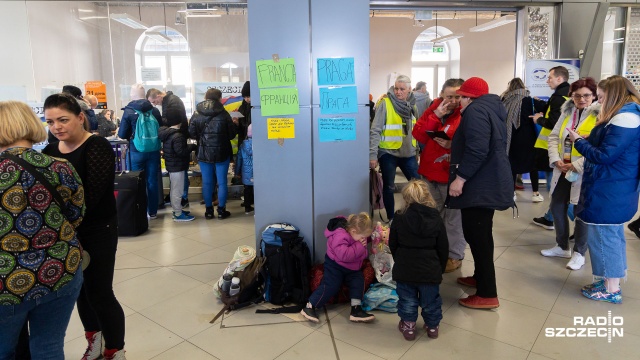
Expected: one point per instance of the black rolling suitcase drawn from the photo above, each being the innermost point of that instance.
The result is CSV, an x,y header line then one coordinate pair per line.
x,y
131,200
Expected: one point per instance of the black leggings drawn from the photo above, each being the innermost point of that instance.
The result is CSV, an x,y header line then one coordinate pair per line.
x,y
97,305
477,226
533,175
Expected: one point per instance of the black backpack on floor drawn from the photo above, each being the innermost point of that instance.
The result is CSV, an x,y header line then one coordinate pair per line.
x,y
287,267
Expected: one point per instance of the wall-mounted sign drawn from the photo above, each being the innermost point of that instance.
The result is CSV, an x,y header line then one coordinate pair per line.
x,y
336,129
227,88
151,74
280,128
336,71
99,90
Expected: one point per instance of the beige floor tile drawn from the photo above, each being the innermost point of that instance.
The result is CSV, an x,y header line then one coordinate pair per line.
x,y
267,341
206,273
185,351
215,256
505,236
247,240
128,274
450,294
534,356
511,323
528,289
633,255
149,238
581,347
497,251
381,337
333,310
455,343
319,346
151,288
527,259
186,314
172,251
134,261
536,236
220,235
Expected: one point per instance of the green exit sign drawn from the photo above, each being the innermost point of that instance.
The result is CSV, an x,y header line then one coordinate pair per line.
x,y
438,49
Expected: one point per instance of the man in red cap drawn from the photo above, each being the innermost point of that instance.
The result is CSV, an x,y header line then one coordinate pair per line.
x,y
480,183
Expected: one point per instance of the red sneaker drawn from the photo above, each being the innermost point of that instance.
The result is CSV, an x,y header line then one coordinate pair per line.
x,y
467,281
477,302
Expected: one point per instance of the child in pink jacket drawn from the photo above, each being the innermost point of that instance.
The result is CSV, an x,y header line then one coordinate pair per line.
x,y
346,249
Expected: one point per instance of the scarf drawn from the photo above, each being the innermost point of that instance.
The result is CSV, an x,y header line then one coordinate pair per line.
x,y
512,101
404,108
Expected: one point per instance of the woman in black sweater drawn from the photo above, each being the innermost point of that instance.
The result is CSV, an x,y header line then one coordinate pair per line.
x,y
94,160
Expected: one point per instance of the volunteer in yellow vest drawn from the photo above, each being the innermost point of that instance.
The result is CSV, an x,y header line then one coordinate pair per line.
x,y
557,81
580,115
390,141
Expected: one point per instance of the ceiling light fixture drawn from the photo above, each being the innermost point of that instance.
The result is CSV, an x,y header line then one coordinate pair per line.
x,y
131,22
158,36
494,23
446,38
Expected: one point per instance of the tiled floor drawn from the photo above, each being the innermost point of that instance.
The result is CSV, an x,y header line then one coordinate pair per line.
x,y
163,280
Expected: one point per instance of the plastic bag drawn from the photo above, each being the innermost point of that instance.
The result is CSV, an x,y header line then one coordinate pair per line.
x,y
381,297
383,264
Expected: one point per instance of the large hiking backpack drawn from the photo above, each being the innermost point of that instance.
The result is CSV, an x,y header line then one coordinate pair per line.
x,y
287,266
145,137
251,288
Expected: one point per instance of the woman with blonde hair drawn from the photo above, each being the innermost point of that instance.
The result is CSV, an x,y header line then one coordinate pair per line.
x,y
42,206
420,249
609,192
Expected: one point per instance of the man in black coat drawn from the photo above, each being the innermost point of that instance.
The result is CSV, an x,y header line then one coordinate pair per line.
x,y
480,183
557,81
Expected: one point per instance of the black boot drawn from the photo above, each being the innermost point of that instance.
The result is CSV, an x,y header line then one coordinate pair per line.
x,y
635,227
223,213
209,212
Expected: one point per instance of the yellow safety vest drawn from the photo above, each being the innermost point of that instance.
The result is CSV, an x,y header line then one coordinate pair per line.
x,y
392,134
234,145
584,128
543,138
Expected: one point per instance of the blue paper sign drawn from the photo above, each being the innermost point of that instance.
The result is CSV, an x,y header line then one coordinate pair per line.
x,y
336,71
336,129
339,100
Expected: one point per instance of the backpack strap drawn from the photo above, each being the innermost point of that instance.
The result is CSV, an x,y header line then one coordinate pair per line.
x,y
39,176
225,308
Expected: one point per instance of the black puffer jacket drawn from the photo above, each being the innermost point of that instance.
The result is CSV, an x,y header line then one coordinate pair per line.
x,y
176,151
212,127
419,245
478,155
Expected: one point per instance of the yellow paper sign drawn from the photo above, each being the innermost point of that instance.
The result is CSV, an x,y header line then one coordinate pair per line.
x,y
280,128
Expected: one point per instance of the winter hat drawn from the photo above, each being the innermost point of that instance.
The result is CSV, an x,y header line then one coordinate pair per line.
x,y
172,117
246,90
474,88
73,90
249,132
137,92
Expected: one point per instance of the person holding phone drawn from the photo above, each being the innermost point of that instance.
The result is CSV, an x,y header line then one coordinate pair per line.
x,y
579,114
609,192
435,129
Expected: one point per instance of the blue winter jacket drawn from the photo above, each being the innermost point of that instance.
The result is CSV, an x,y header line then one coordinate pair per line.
x,y
609,192
245,161
130,118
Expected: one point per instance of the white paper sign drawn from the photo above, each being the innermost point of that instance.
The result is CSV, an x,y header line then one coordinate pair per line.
x,y
151,74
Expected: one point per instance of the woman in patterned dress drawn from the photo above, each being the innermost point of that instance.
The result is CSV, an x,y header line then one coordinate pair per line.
x,y
94,159
42,204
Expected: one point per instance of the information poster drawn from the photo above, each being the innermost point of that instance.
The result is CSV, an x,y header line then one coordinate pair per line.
x,y
336,71
279,101
336,129
151,74
275,74
537,72
228,89
99,90
280,128
338,100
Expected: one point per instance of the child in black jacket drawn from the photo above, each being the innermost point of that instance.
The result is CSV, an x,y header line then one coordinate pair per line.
x,y
420,249
177,155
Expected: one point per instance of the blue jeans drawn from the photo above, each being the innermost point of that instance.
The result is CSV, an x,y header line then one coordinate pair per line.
x,y
607,248
150,163
427,296
332,278
388,164
213,173
48,318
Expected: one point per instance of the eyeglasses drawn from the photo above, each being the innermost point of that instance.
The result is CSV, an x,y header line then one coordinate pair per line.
x,y
585,96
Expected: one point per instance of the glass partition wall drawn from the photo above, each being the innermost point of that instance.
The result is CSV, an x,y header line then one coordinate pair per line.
x,y
176,47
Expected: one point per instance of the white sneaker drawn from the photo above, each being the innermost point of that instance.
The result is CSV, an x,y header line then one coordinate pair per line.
x,y
536,198
576,262
119,355
94,347
557,252
515,197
